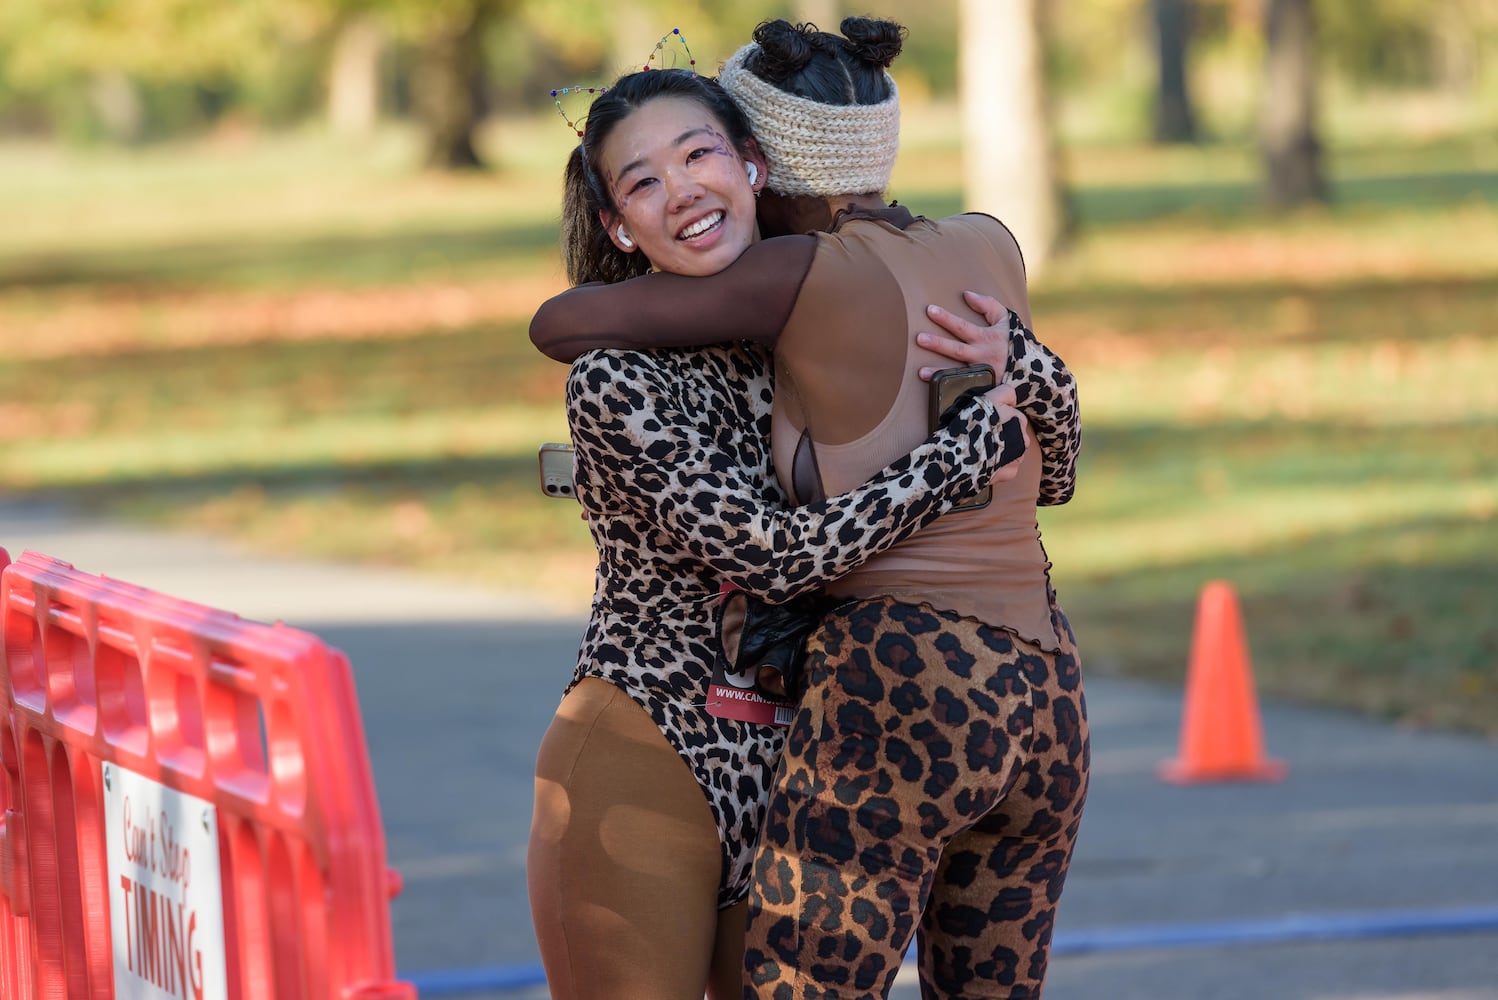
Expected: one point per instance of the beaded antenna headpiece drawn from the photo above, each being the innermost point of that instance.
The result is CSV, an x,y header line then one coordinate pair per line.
x,y
556,98
664,53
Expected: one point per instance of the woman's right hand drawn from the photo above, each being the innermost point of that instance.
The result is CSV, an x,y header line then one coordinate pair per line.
x,y
967,343
1003,398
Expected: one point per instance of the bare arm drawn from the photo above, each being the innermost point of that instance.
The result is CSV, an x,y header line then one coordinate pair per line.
x,y
1045,389
751,299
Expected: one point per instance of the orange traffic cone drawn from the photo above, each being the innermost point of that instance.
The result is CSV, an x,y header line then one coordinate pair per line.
x,y
1221,739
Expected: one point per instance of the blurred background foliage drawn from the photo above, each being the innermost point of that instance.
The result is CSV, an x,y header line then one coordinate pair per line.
x,y
266,266
144,70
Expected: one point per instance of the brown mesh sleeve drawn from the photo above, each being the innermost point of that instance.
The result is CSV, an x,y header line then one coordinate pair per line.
x,y
751,299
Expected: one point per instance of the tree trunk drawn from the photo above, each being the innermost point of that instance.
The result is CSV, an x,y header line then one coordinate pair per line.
x,y
116,103
1010,160
447,89
1287,120
1456,49
354,77
1175,120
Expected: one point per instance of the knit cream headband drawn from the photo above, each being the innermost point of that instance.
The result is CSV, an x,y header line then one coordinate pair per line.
x,y
814,148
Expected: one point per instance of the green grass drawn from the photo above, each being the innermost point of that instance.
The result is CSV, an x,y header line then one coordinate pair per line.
x,y
300,210
314,349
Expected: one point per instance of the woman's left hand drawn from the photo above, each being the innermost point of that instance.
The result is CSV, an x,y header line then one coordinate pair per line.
x,y
969,343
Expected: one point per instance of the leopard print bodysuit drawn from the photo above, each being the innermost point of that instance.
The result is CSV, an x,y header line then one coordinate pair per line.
x,y
672,467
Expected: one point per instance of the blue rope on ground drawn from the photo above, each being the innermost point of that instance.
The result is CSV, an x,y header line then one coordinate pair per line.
x,y
478,979
1280,930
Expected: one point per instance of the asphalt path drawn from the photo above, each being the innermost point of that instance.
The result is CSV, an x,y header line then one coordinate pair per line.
x,y
1370,872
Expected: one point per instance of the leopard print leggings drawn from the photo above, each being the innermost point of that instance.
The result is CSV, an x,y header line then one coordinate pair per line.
x,y
932,785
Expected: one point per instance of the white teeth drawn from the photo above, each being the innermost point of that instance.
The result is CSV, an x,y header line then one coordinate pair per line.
x,y
701,226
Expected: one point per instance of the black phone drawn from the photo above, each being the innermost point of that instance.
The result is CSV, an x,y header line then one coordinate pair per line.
x,y
556,470
947,387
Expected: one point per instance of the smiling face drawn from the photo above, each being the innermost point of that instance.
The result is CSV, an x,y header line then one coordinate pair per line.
x,y
681,187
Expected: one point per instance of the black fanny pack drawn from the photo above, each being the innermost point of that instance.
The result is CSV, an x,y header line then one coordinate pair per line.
x,y
768,641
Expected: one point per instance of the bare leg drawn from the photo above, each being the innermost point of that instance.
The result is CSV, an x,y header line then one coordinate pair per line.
x,y
624,857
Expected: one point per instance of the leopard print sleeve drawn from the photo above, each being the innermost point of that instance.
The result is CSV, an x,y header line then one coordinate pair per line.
x,y
669,465
1046,392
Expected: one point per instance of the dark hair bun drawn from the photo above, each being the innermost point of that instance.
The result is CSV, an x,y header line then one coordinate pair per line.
x,y
785,49
873,40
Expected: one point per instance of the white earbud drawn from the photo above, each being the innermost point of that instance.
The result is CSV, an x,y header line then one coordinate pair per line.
x,y
624,239
753,172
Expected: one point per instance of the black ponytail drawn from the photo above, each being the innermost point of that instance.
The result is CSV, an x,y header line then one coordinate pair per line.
x,y
587,251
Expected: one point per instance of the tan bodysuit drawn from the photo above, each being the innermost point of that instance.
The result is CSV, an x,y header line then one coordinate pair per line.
x,y
840,309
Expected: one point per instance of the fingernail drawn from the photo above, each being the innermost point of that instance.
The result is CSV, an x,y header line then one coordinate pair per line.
x,y
923,339
933,310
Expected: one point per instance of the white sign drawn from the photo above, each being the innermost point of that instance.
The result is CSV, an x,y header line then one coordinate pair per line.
x,y
166,902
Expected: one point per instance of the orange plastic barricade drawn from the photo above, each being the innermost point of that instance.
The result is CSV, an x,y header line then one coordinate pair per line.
x,y
188,805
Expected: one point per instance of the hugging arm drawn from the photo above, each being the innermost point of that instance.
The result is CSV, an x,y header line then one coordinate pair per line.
x,y
679,479
1045,389
1046,392
751,299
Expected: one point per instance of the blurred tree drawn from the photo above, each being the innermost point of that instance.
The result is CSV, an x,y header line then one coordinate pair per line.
x,y
354,74
158,67
1288,139
1010,161
447,77
111,53
1174,119
1103,68
1446,43
147,40
116,103
1389,42
447,83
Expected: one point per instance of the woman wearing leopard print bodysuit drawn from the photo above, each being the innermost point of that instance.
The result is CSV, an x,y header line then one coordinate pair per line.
x,y
936,770
647,807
